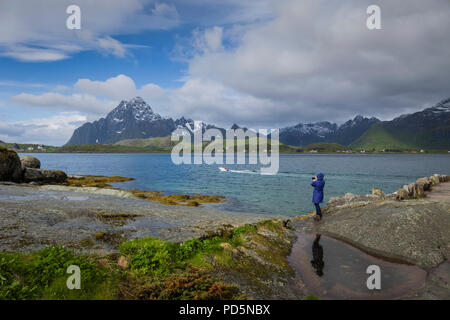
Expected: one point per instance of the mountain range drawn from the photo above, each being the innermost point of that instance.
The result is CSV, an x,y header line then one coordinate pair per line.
x,y
426,129
429,128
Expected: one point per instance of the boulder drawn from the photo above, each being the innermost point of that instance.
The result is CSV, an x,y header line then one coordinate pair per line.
x,y
410,231
426,183
415,190
378,192
402,194
350,196
42,175
30,162
434,179
10,166
418,191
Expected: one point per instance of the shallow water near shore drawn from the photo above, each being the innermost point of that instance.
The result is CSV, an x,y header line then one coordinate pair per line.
x,y
331,269
287,193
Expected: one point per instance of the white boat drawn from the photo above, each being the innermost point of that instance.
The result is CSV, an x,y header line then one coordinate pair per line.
x,y
223,169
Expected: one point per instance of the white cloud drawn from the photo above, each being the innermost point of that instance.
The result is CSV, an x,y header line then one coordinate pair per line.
x,y
119,87
38,32
28,54
313,61
112,45
9,83
51,131
316,60
209,40
11,129
165,11
95,98
43,23
57,101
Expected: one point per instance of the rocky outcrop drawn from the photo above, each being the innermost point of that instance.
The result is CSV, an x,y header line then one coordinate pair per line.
x,y
409,231
93,190
324,131
30,162
416,190
414,231
10,166
44,176
350,200
26,169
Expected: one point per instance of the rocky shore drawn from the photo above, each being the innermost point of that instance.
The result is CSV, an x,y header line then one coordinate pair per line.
x,y
41,210
409,227
142,247
416,230
35,216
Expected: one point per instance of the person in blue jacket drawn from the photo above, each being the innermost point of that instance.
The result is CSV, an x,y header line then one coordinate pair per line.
x,y
318,184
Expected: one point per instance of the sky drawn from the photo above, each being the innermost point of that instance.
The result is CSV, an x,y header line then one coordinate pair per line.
x,y
257,63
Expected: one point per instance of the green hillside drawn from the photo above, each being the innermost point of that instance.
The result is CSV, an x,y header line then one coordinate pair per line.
x,y
152,145
379,138
28,147
105,148
160,143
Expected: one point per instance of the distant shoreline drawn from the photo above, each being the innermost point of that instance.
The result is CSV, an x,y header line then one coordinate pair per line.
x,y
165,145
291,153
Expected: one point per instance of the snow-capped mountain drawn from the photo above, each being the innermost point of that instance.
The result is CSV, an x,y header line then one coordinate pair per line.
x,y
440,111
134,110
133,119
304,134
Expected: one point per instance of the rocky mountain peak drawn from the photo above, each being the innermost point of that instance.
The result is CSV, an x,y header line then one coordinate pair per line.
x,y
441,107
135,109
439,112
358,121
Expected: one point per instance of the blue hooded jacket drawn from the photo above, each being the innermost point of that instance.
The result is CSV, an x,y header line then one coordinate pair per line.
x,y
318,185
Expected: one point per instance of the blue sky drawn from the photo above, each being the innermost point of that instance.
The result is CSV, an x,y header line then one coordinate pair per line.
x,y
258,63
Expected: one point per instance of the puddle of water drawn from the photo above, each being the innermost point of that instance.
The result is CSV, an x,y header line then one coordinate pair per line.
x,y
332,269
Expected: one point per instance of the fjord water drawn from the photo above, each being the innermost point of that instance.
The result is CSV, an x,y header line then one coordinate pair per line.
x,y
287,193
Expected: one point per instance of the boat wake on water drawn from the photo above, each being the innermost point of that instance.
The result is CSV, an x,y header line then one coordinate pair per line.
x,y
258,171
239,171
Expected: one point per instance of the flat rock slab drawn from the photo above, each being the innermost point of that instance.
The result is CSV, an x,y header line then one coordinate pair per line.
x,y
32,217
414,231
441,192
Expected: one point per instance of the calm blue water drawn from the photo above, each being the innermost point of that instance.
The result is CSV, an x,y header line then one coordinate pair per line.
x,y
289,192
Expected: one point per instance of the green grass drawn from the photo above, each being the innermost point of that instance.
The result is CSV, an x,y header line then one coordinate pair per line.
x,y
377,138
158,143
42,275
154,256
156,269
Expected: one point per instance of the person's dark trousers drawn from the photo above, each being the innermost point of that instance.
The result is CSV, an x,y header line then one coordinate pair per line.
x,y
318,211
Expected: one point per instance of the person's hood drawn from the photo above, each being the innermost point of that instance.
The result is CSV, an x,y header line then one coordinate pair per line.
x,y
320,176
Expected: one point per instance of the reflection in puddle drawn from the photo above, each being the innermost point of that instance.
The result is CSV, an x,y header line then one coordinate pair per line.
x,y
331,269
317,253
